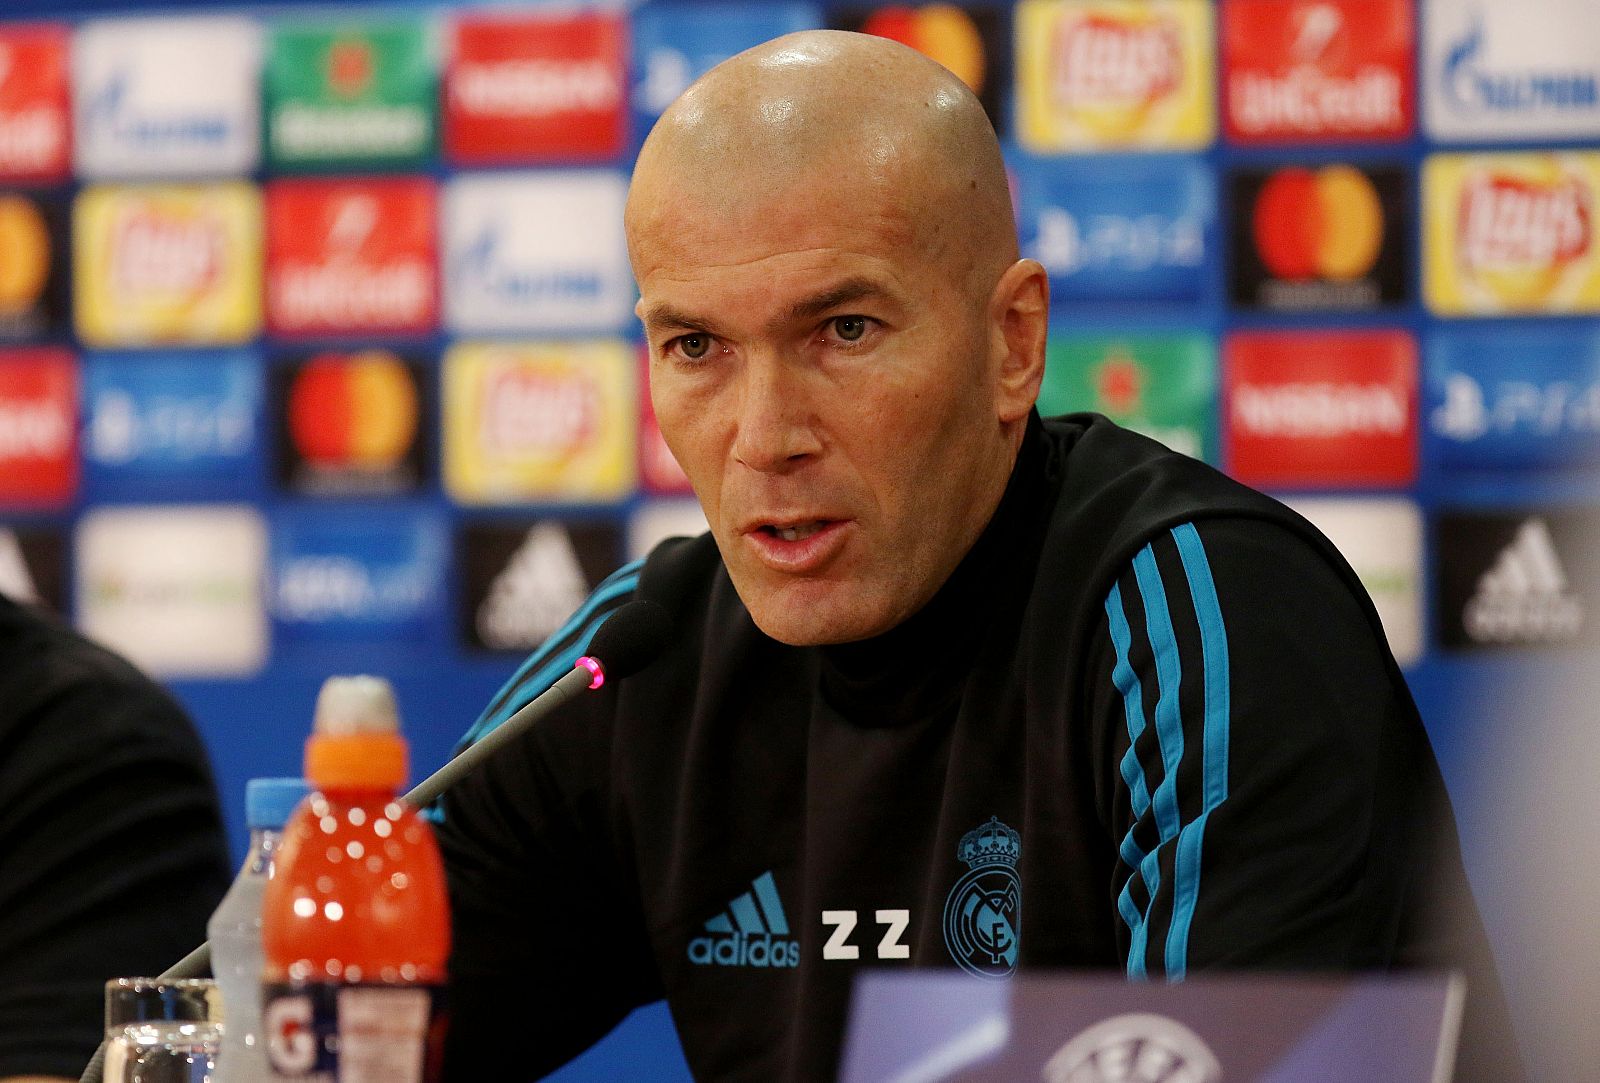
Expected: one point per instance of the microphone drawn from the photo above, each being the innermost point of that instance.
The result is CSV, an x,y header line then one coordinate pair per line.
x,y
630,639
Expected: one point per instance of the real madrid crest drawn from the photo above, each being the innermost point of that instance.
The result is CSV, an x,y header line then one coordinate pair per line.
x,y
982,914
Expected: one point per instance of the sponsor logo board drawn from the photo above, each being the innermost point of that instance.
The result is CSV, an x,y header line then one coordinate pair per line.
x,y
179,264
350,93
536,87
1108,74
654,521
675,45
351,256
528,422
350,423
522,579
1323,409
166,97
1124,230
35,103
1511,233
33,265
1511,72
1324,238
1303,70
176,589
971,40
38,427
1517,577
1507,398
33,565
169,423
1381,537
1164,386
374,573
536,251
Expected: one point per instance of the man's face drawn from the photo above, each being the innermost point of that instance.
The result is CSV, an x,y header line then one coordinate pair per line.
x,y
823,373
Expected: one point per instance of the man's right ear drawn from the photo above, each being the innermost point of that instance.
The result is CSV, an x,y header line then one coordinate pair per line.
x,y
1019,322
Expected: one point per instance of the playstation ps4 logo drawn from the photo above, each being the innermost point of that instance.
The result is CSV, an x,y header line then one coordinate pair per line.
x,y
982,913
752,931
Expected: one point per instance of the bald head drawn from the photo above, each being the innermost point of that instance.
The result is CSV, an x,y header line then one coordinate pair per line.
x,y
892,133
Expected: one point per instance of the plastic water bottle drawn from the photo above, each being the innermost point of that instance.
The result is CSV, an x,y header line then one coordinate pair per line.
x,y
235,931
355,921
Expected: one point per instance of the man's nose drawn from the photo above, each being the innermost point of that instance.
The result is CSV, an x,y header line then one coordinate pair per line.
x,y
776,426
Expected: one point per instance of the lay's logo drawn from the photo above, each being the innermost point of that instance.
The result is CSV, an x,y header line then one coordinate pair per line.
x,y
535,412
539,421
1513,223
1511,233
166,264
1106,61
1110,74
158,254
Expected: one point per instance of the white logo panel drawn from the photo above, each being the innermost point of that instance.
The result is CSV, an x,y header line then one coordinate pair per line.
x,y
1495,71
167,97
176,589
536,252
1382,539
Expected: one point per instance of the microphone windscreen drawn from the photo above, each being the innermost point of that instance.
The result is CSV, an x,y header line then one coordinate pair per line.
x,y
632,638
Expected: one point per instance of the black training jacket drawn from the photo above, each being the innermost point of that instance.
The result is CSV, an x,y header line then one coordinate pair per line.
x,y
1150,724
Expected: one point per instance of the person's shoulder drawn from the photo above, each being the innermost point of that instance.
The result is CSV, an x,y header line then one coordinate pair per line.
x,y
49,671
50,654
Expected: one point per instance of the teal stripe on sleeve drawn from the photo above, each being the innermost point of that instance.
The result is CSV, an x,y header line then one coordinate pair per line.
x,y
1214,654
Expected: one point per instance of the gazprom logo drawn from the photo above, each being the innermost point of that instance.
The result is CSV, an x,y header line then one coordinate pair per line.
x,y
110,111
1472,84
752,931
483,267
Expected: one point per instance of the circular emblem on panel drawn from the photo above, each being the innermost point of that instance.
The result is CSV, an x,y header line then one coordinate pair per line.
x,y
982,913
1134,1048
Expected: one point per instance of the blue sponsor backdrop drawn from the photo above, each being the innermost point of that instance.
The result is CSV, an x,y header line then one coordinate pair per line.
x,y
1133,243
1134,231
171,425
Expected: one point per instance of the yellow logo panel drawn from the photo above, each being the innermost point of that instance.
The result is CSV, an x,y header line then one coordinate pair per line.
x,y
1110,74
530,422
167,264
1511,233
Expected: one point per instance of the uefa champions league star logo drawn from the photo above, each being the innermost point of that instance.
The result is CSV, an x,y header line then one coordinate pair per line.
x,y
983,911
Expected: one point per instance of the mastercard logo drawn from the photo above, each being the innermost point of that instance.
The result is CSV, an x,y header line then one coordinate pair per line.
x,y
1325,223
353,411
24,255
942,32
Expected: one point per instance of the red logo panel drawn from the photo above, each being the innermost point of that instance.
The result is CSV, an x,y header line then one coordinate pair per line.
x,y
1317,70
34,103
1311,410
351,256
536,88
38,427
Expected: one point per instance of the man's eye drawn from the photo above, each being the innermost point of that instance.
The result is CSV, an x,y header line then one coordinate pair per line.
x,y
694,347
850,328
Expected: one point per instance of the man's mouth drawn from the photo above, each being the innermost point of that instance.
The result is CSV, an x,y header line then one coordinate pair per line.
x,y
794,531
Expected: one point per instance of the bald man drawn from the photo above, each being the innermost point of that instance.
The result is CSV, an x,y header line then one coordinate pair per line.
x,y
951,686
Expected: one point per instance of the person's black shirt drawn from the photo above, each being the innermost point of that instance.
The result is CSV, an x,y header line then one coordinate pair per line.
x,y
112,854
1150,723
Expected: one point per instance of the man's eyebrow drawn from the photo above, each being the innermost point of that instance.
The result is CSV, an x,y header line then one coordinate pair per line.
x,y
851,289
662,316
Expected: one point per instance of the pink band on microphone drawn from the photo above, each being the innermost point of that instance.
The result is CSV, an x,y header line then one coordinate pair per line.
x,y
596,670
